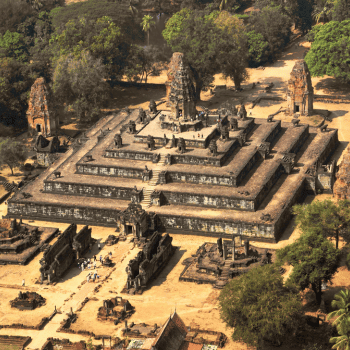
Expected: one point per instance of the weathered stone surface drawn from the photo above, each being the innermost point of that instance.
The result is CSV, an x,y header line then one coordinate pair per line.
x,y
300,91
41,118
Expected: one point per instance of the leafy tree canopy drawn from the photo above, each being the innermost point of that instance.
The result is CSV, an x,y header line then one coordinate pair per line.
x,y
258,49
329,53
332,219
12,45
12,153
276,32
94,9
80,84
15,83
259,306
314,260
101,37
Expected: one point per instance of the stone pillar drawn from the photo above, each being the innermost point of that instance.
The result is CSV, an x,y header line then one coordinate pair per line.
x,y
233,249
219,243
246,247
224,255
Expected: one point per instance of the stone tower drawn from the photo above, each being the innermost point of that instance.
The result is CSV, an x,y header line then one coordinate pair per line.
x,y
41,119
300,92
181,98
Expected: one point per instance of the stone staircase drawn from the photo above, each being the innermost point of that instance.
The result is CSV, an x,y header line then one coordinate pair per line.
x,y
223,279
148,190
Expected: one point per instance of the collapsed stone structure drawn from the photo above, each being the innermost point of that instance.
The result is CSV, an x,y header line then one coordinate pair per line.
x,y
300,92
42,119
248,171
46,150
218,263
115,309
27,301
69,246
20,242
173,335
341,188
148,262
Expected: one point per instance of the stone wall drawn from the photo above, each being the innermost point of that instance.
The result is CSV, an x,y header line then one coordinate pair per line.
x,y
137,155
87,190
204,200
95,169
172,176
217,228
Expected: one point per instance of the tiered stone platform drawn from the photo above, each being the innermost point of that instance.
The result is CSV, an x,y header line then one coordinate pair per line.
x,y
245,188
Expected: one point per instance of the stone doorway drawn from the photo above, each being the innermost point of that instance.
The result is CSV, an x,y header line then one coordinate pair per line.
x,y
296,108
38,127
128,229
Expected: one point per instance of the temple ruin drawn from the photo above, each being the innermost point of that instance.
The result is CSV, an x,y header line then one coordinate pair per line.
x,y
69,246
148,263
46,150
28,301
341,188
20,242
115,310
42,120
214,173
217,263
173,335
300,92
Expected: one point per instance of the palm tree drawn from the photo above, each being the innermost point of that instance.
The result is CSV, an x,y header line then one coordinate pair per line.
x,y
147,23
323,10
342,303
342,342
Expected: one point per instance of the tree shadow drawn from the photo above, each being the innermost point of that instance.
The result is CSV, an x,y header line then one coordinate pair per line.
x,y
338,152
332,85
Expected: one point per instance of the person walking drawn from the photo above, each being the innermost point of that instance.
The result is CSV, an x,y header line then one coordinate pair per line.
x,y
88,278
101,259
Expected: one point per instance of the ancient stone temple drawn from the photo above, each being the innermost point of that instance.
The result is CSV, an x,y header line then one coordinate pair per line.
x,y
41,118
181,97
300,92
211,173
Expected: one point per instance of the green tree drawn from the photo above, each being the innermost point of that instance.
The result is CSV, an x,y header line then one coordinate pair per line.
x,y
101,37
276,33
12,153
314,260
80,84
13,45
145,61
15,83
147,23
232,47
341,303
329,52
342,341
332,219
340,11
260,307
258,49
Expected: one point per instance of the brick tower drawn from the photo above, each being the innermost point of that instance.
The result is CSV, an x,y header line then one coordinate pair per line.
x,y
300,92
181,98
41,119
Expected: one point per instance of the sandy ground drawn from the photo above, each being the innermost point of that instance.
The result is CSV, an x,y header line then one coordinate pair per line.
x,y
196,304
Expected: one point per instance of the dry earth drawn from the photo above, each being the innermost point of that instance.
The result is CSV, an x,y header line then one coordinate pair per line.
x,y
196,304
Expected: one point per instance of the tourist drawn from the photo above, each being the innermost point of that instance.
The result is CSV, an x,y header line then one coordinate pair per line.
x,y
82,267
99,246
110,254
88,278
100,258
23,283
95,265
94,257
